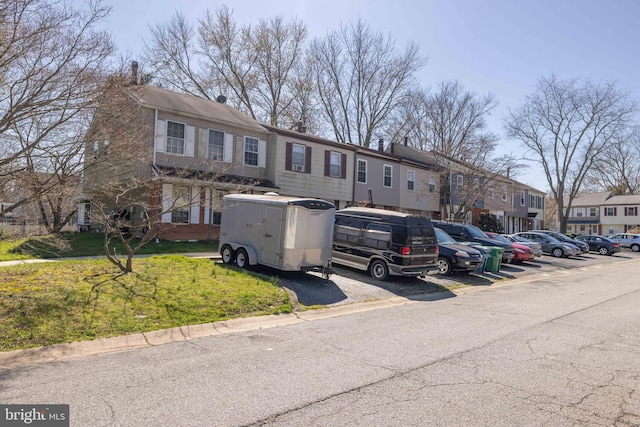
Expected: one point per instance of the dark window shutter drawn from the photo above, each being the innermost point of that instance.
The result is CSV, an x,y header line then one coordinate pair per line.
x,y
327,162
615,211
307,159
343,165
288,155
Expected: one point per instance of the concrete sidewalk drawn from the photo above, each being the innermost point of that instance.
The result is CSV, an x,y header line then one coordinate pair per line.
x,y
60,352
210,255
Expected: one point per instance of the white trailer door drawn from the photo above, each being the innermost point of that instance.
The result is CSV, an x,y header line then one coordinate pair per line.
x,y
272,235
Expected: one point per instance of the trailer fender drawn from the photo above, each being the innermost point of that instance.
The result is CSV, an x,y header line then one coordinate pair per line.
x,y
253,256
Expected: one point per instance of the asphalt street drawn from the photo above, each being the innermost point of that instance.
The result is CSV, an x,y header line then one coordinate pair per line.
x,y
555,348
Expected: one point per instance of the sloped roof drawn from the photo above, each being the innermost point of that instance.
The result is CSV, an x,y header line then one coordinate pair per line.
x,y
627,199
308,137
591,199
190,105
213,177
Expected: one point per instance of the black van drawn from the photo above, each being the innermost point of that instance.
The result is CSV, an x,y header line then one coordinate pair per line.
x,y
384,242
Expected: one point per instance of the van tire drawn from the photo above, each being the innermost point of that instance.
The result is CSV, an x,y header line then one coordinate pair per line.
x,y
242,258
228,255
379,269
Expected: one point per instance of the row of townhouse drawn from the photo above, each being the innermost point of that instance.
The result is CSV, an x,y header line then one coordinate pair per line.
x,y
603,214
225,151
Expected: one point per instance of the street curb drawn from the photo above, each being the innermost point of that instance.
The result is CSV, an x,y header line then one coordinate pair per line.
x,y
61,352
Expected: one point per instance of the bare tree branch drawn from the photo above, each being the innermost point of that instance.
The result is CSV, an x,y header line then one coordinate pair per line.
x,y
567,125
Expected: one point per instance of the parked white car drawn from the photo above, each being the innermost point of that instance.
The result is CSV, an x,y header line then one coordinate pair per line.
x,y
627,240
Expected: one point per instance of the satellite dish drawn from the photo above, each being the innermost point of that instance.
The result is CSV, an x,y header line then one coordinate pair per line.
x,y
221,99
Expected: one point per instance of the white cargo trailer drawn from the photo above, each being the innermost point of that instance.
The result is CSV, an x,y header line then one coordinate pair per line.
x,y
287,233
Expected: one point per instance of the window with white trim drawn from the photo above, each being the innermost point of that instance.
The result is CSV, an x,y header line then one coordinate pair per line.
x,y
387,175
432,184
504,192
181,204
175,137
362,171
411,180
250,151
610,211
216,145
490,191
335,165
297,157
593,212
523,197
631,211
459,182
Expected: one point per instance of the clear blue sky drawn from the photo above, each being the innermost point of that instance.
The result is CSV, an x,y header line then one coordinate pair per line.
x,y
497,46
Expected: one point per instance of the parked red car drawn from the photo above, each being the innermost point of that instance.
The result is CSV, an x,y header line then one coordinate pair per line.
x,y
522,252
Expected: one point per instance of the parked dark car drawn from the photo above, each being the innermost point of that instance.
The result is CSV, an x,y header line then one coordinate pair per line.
x,y
454,256
564,238
602,245
470,233
551,245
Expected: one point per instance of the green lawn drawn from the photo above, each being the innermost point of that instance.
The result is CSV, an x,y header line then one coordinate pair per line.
x,y
87,244
66,301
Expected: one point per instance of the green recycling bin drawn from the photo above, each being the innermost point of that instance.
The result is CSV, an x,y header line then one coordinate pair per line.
x,y
495,258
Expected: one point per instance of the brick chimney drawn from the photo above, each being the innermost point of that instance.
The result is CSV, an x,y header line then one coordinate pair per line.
x,y
134,72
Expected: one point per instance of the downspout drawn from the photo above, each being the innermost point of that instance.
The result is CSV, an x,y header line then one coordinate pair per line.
x,y
154,169
355,178
155,126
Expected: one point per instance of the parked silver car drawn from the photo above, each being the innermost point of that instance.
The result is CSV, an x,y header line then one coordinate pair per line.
x,y
536,247
627,240
551,245
583,246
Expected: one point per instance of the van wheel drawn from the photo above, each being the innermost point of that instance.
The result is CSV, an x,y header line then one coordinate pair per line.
x,y
379,270
228,255
444,266
242,258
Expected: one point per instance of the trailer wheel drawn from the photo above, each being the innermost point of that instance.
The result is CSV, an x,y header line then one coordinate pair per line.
x,y
379,270
242,258
228,255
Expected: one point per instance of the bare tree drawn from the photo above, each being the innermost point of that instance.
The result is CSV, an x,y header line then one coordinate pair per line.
x,y
51,63
450,122
566,125
256,69
617,169
117,176
361,79
174,60
279,55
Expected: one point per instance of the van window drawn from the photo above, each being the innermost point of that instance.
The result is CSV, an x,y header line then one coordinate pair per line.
x,y
378,236
417,236
348,230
